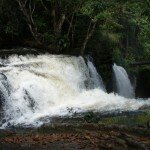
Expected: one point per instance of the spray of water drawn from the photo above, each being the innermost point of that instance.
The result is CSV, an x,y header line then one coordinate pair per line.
x,y
47,85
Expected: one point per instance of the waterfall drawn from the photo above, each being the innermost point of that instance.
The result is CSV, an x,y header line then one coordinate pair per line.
x,y
96,79
47,85
122,82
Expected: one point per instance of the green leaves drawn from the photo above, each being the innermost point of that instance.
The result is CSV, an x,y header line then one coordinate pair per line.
x,y
102,16
95,9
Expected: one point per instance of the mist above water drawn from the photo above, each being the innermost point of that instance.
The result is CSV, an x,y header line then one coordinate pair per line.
x,y
34,87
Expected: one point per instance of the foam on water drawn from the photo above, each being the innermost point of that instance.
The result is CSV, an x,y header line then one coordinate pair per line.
x,y
47,85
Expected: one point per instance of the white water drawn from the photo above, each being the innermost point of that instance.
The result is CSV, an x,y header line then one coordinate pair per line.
x,y
48,85
123,84
96,79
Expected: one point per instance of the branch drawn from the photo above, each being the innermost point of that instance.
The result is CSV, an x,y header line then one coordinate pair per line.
x,y
44,6
70,24
140,63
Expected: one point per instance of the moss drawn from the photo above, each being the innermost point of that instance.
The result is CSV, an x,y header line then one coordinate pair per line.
x,y
133,120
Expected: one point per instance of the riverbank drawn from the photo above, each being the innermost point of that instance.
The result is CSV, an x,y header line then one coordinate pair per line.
x,y
85,136
108,132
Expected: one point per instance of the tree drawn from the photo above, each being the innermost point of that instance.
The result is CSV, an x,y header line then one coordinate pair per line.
x,y
28,7
99,12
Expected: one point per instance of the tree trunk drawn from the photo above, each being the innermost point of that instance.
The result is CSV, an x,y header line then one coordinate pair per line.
x,y
58,20
1,5
70,25
90,32
127,46
58,26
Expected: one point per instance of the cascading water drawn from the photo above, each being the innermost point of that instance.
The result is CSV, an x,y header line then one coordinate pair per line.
x,y
96,79
122,82
47,85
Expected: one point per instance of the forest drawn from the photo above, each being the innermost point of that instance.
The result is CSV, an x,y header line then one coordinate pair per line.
x,y
121,26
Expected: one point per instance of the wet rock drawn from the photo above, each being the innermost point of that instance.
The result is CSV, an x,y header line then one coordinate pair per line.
x,y
19,51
